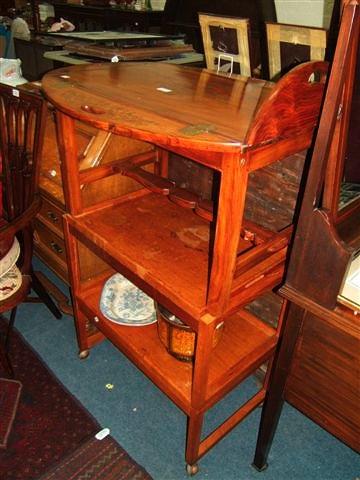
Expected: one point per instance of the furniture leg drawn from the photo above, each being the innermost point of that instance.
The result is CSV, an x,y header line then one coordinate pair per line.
x,y
228,223
5,361
194,427
80,318
10,327
4,347
4,357
162,164
274,399
200,379
81,333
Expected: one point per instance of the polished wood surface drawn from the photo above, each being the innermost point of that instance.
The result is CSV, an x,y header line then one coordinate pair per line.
x,y
317,365
174,105
187,102
200,258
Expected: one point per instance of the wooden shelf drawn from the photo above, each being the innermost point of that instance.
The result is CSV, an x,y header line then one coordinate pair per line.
x,y
170,243
164,249
232,360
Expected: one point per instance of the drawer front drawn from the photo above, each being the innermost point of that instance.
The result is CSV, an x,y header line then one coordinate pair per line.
x,y
46,239
51,215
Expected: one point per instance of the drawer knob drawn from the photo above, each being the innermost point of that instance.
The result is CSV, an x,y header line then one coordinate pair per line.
x,y
52,216
56,247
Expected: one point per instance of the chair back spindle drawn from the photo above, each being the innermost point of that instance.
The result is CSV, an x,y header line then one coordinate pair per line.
x,y
21,137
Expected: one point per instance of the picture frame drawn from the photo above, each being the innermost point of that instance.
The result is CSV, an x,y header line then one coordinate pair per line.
x,y
289,45
226,43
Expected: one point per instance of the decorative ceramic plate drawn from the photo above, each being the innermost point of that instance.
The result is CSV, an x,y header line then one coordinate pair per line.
x,y
10,283
10,258
123,303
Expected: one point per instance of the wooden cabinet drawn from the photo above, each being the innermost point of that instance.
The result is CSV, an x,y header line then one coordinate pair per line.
x,y
96,148
317,368
202,258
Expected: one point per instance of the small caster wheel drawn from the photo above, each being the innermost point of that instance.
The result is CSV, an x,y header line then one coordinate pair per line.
x,y
192,469
83,354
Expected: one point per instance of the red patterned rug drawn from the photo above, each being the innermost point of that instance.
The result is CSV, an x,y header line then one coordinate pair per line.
x,y
9,399
50,424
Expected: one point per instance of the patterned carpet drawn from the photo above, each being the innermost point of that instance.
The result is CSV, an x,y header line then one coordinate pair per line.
x,y
10,391
98,459
50,424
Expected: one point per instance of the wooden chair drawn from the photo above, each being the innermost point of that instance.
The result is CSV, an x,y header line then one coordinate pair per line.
x,y
289,45
226,43
22,117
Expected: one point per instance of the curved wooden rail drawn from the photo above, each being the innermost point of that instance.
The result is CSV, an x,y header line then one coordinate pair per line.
x,y
294,102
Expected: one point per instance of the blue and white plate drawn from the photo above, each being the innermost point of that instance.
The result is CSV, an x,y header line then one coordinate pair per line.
x,y
9,260
123,303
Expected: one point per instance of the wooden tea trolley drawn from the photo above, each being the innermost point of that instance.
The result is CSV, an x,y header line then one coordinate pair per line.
x,y
203,260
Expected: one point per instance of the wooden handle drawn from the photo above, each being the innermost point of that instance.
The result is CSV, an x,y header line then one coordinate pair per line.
x,y
94,110
204,208
153,182
183,197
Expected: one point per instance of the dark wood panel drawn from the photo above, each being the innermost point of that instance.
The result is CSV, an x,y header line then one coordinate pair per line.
x,y
92,18
31,54
352,162
273,192
327,361
5,4
185,12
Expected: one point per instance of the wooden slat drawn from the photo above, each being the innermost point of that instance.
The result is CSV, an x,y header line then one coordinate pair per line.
x,y
183,197
153,182
116,166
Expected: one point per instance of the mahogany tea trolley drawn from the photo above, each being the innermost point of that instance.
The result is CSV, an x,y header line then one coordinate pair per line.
x,y
203,259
